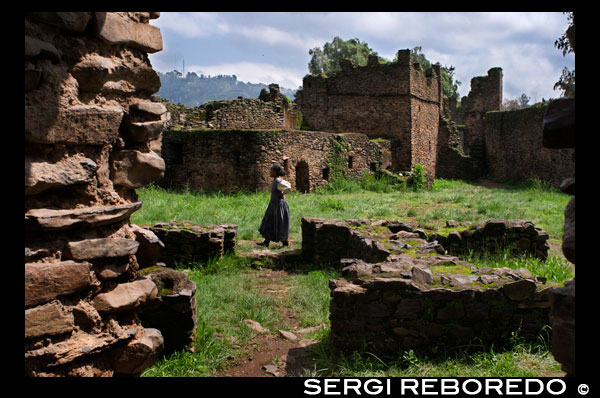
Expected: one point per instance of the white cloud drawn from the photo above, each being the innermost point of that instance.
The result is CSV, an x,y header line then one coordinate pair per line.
x,y
252,72
275,37
192,24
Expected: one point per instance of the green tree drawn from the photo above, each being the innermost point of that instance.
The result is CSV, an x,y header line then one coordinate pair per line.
x,y
566,43
326,60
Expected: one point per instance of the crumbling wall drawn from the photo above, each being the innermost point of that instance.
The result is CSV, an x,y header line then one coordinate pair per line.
x,y
270,111
232,160
485,95
89,124
515,150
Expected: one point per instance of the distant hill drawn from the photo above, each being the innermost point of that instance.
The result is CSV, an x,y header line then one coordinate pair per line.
x,y
193,90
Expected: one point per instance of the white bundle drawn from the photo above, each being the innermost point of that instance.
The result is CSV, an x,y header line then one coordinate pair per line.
x,y
284,186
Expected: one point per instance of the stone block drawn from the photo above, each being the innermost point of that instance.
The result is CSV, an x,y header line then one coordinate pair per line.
x,y
139,353
100,248
51,219
120,30
36,48
46,281
522,289
568,240
125,296
41,176
559,124
79,125
148,252
134,169
73,21
48,319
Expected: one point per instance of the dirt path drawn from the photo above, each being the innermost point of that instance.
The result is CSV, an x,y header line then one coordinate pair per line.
x,y
271,354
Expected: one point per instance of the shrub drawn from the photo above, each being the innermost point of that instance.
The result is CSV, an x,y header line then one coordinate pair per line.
x,y
416,179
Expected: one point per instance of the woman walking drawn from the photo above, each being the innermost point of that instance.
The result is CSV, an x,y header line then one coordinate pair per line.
x,y
275,225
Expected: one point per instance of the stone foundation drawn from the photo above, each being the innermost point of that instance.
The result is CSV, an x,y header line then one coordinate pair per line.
x,y
443,303
186,242
329,241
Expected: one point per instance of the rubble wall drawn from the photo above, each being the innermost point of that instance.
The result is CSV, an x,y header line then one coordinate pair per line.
x,y
89,124
232,160
515,150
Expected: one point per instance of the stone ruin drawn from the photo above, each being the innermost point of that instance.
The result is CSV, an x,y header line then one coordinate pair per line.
x,y
233,160
405,290
89,126
187,242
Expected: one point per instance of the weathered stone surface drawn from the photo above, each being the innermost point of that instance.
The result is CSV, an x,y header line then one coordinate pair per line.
x,y
149,109
125,296
52,219
186,241
96,73
110,271
146,131
148,252
45,281
563,326
80,344
288,335
568,186
33,77
559,124
99,248
568,240
422,275
41,175
257,327
116,29
519,290
81,124
139,353
134,169
35,48
48,319
173,311
74,21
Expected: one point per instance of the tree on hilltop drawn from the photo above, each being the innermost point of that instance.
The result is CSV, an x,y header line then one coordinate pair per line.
x,y
566,43
326,60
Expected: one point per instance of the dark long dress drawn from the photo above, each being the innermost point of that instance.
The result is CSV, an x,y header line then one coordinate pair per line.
x,y
275,225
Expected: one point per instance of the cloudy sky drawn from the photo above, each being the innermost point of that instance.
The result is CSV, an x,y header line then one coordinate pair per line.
x,y
272,47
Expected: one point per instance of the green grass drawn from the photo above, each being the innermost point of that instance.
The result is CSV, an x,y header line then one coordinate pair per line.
x,y
343,199
519,359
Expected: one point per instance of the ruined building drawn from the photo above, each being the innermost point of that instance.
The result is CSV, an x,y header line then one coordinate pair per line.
x,y
89,126
231,145
400,106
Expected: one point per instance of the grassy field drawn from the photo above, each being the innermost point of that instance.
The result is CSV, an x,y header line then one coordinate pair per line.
x,y
229,290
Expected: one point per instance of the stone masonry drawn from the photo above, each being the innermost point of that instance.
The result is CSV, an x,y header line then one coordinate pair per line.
x,y
232,160
401,291
89,124
398,101
186,242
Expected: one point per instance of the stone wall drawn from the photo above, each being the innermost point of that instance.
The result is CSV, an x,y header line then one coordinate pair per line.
x,y
232,160
397,100
400,305
515,150
485,95
89,123
186,242
269,111
329,241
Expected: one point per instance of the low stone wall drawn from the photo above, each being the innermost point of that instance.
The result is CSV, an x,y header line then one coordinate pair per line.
x,y
186,242
329,241
520,237
173,310
408,304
